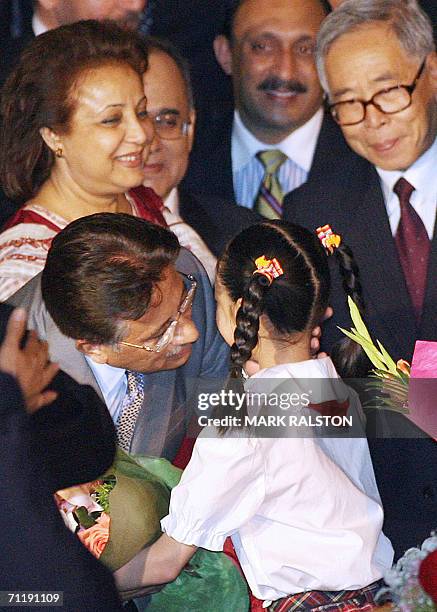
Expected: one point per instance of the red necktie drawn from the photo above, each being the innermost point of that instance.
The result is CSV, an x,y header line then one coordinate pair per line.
x,y
413,246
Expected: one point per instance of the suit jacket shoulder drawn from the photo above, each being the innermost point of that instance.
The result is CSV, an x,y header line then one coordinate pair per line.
x,y
210,167
73,437
215,219
169,395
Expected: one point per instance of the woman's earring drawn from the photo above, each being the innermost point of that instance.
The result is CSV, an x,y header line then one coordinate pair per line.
x,y
59,152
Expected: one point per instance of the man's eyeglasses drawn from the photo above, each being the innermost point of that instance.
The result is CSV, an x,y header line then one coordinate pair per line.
x,y
389,101
170,125
167,336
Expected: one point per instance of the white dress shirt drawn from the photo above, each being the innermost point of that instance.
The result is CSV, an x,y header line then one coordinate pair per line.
x,y
422,176
37,25
303,513
248,171
187,236
113,385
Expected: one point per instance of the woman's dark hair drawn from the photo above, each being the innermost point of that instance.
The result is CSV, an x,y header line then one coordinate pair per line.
x,y
101,270
40,92
293,302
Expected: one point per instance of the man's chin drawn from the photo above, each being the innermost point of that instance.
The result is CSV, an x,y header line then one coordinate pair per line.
x,y
131,22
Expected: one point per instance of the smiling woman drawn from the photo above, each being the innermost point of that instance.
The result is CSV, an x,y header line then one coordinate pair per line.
x,y
75,134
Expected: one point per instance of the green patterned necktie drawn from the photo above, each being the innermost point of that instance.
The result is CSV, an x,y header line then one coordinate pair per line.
x,y
268,202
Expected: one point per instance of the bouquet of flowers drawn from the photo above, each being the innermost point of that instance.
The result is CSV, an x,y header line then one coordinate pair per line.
x,y
406,389
412,582
119,514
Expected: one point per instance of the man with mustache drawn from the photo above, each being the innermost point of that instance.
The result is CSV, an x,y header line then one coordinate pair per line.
x,y
268,144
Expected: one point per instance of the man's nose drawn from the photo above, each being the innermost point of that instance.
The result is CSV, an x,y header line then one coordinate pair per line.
x,y
374,117
186,330
286,65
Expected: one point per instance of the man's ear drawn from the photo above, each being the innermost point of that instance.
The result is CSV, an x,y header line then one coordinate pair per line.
x,y
97,352
51,139
223,53
431,65
191,128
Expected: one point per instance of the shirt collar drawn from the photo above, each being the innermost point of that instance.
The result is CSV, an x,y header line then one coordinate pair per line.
x,y
299,146
421,174
108,377
37,25
172,201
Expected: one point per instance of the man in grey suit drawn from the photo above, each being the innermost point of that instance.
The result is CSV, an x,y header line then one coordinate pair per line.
x,y
127,311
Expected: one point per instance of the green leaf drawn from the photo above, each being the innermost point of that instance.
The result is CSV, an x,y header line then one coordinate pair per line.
x,y
83,517
357,319
369,348
391,365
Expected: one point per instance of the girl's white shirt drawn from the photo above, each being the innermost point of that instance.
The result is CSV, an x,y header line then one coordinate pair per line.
x,y
303,512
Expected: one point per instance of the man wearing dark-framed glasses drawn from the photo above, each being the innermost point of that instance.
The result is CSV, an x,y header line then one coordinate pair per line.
x,y
388,101
377,64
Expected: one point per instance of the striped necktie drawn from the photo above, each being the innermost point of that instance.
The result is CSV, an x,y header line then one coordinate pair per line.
x,y
413,246
132,403
268,202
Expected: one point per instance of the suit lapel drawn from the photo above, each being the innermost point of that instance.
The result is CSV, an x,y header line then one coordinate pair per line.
x,y
331,149
371,239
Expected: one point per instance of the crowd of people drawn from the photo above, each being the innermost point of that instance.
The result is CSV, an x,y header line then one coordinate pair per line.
x,y
158,213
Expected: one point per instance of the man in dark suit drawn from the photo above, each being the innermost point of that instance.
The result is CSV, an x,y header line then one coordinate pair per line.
x,y
50,439
268,52
28,18
383,94
116,303
192,217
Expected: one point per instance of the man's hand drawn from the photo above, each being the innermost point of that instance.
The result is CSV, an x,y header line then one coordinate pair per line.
x,y
316,334
30,365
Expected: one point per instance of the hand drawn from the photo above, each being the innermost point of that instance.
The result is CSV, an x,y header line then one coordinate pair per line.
x,y
29,365
316,334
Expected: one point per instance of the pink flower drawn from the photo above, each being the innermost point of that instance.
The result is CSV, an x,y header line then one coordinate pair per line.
x,y
96,537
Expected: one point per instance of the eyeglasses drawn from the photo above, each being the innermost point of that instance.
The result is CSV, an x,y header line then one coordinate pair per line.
x,y
389,101
170,125
167,336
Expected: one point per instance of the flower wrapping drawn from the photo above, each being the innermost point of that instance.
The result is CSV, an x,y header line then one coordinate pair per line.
x,y
396,386
422,390
118,515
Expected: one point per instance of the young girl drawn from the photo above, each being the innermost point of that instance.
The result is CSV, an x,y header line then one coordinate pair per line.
x,y
303,512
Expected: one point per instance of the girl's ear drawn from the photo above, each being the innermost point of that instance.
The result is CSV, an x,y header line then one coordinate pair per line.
x,y
236,306
266,328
